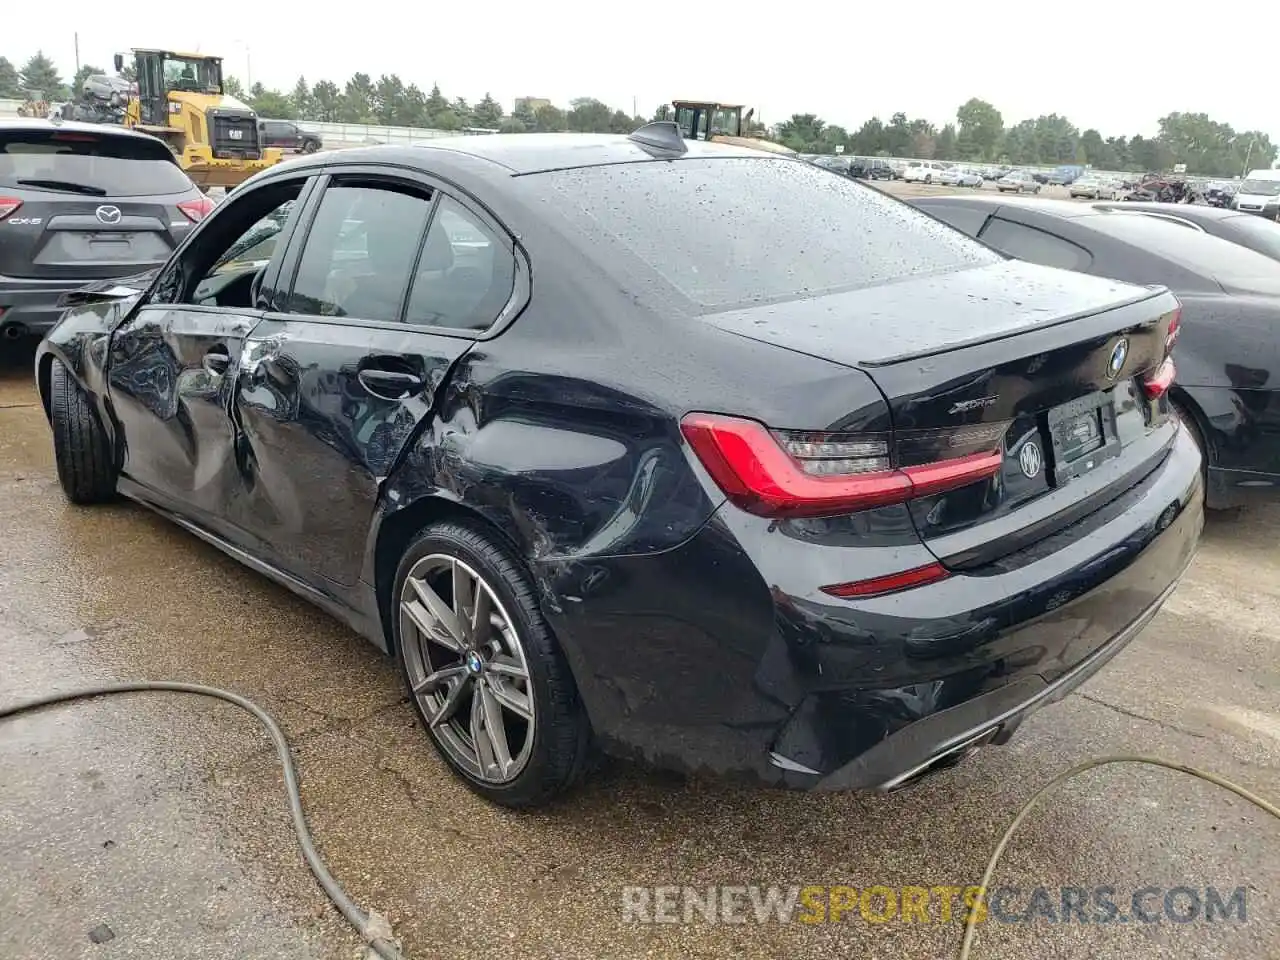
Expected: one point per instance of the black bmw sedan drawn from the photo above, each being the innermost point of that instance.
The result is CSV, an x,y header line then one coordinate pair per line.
x,y
1229,347
1248,230
688,452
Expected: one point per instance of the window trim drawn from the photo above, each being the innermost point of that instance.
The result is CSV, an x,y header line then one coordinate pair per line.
x,y
414,179
997,218
274,265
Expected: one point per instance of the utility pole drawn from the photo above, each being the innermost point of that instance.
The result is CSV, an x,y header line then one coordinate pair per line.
x,y
77,40
634,111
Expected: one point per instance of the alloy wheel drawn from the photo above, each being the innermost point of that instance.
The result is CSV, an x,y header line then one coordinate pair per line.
x,y
467,668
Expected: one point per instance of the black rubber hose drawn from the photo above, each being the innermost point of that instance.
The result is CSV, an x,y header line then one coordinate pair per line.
x,y
373,927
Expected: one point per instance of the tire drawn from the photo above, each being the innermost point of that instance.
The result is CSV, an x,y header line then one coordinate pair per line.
x,y
81,448
928,179
310,146
516,662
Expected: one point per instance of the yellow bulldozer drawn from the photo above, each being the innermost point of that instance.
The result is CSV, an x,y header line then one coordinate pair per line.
x,y
180,99
721,123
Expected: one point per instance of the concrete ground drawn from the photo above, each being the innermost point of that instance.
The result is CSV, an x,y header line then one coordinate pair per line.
x,y
163,818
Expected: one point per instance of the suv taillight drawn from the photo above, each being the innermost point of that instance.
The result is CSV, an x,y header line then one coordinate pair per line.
x,y
197,210
8,205
807,474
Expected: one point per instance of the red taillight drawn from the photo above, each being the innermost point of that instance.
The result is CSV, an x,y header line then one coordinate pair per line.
x,y
818,475
8,205
197,210
1157,383
1175,327
892,583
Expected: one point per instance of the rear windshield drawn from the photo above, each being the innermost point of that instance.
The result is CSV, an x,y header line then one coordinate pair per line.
x,y
735,231
99,165
1200,253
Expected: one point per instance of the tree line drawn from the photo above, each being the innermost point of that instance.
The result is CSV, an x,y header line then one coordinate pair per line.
x,y
978,133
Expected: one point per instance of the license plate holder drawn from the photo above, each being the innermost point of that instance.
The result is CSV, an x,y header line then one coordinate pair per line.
x,y
1083,434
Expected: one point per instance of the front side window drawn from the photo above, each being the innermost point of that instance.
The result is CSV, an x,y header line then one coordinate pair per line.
x,y
360,253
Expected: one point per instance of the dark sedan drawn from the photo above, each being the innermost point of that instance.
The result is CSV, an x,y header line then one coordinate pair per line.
x,y
609,445
1230,346
1246,229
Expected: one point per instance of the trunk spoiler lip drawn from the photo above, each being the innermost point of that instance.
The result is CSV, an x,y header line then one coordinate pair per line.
x,y
1144,294
79,298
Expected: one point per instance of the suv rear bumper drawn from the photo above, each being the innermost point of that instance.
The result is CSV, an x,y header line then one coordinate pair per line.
x,y
33,304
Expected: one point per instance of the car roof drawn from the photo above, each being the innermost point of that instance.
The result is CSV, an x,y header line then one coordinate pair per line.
x,y
1188,211
8,124
524,153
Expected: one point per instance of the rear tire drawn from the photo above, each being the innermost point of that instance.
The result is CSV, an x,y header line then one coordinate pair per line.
x,y
81,448
529,773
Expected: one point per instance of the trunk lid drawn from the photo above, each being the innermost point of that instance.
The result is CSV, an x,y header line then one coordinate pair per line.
x,y
1044,362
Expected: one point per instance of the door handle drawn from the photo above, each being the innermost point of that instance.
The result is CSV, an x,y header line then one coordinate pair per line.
x,y
217,360
391,384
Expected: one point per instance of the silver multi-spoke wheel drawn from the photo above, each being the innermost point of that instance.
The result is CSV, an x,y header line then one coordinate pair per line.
x,y
467,668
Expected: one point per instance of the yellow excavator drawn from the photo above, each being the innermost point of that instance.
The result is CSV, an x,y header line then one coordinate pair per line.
x,y
180,99
720,123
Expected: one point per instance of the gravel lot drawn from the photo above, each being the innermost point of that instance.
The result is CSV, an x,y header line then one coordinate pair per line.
x,y
164,819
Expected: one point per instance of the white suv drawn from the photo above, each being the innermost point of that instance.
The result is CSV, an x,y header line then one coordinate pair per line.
x,y
923,171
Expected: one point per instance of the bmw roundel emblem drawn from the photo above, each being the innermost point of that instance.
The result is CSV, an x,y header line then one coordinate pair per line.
x,y
1119,354
1030,460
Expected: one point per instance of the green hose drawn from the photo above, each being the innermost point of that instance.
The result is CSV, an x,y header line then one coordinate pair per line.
x,y
970,924
373,927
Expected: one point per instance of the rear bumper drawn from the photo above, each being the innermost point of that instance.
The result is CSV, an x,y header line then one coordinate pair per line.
x,y
33,304
722,657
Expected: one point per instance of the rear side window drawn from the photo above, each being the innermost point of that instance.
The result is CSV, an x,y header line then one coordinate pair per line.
x,y
730,232
967,220
465,274
92,164
1035,246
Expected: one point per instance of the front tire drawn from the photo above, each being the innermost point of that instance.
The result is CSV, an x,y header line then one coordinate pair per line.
x,y
484,673
81,448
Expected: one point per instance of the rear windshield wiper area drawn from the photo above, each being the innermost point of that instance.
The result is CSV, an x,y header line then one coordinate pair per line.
x,y
66,186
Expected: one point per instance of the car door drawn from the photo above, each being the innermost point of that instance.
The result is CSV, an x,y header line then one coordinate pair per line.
x,y
391,286
173,360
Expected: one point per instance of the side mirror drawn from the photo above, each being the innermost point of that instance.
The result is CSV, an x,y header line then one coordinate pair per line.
x,y
119,62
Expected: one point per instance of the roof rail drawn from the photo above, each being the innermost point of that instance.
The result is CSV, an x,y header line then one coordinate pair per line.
x,y
662,135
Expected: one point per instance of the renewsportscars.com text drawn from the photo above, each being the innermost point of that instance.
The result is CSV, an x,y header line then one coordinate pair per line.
x,y
938,904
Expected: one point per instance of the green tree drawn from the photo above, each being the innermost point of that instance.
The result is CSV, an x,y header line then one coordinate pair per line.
x,y
1251,150
550,119
270,103
869,141
10,86
388,101
664,112
589,115
982,127
462,109
488,112
357,100
897,141
40,78
326,101
802,132
130,72
436,103
231,86
304,107
945,147
1204,145
414,113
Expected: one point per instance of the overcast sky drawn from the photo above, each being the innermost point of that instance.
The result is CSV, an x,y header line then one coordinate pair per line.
x,y
1116,65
